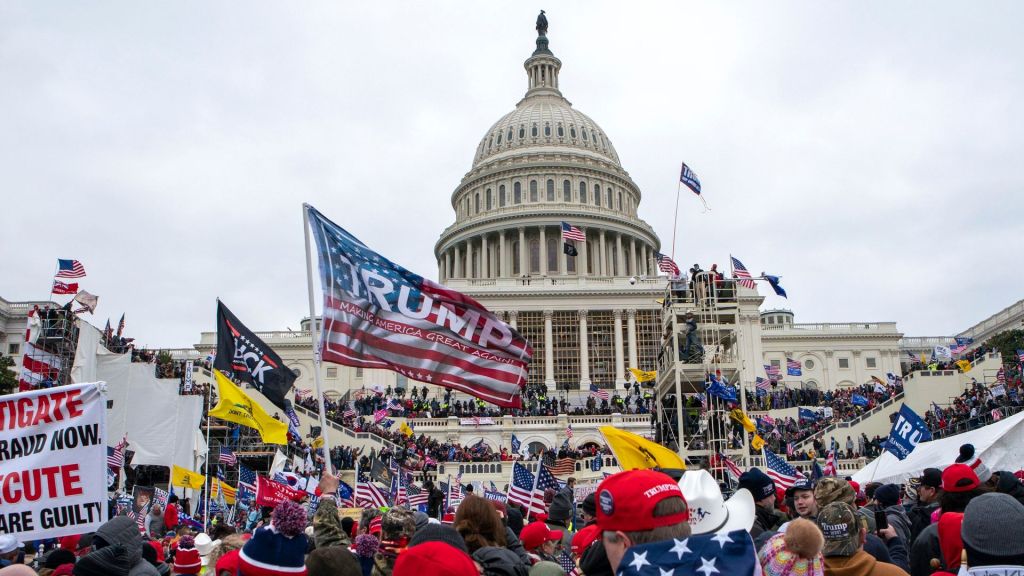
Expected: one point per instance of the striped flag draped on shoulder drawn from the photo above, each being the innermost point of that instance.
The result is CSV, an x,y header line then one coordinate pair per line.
x,y
377,314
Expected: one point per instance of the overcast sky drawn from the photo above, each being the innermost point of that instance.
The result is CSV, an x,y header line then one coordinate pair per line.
x,y
867,152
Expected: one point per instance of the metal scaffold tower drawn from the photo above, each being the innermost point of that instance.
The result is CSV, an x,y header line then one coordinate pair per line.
x,y
49,352
699,343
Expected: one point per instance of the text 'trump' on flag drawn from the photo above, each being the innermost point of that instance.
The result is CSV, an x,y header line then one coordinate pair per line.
x,y
380,315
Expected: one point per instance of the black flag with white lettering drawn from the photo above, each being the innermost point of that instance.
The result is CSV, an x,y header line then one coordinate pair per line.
x,y
569,249
240,352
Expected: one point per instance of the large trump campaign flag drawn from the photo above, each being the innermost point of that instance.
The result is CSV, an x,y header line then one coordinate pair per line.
x,y
380,315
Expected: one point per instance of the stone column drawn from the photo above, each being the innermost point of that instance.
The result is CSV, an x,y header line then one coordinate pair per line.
x,y
513,319
620,258
631,337
603,256
584,352
469,258
858,370
632,257
485,258
522,251
647,261
458,262
549,351
620,368
581,269
502,262
563,268
543,251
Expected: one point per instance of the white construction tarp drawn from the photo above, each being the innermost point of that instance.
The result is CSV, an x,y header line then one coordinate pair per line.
x,y
88,350
999,445
160,425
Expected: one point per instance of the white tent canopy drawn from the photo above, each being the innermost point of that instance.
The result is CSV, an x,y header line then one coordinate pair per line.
x,y
999,445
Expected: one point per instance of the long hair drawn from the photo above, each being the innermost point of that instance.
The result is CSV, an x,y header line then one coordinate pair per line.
x,y
479,524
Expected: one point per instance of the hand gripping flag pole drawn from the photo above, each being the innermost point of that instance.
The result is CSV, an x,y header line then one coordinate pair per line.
x,y
315,339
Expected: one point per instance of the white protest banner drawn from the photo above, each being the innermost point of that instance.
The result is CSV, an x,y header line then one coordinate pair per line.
x,y
53,460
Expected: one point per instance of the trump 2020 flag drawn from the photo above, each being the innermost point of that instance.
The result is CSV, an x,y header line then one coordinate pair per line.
x,y
380,315
908,431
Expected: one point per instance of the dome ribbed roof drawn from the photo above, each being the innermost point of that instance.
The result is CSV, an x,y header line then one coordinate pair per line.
x,y
545,121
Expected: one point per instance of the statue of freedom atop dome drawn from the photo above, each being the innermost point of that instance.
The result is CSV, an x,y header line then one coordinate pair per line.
x,y
542,24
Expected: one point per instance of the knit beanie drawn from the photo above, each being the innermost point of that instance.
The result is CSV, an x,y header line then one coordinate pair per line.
x,y
279,549
439,533
967,456
589,505
331,561
107,561
396,523
60,556
993,524
187,561
759,484
887,495
561,508
797,552
434,559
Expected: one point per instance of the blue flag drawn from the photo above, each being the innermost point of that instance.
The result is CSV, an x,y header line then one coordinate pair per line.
x,y
716,554
816,472
858,400
774,281
717,389
516,444
596,463
808,414
908,431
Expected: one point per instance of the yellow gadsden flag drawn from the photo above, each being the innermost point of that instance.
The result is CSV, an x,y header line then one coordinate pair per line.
x,y
638,453
643,375
186,478
964,365
740,416
235,406
757,442
405,429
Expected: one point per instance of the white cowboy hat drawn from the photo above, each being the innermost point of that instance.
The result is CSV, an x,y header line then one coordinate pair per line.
x,y
204,545
709,511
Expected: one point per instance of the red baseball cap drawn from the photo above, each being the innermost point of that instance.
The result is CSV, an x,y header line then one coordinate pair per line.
x,y
434,559
959,478
626,501
536,533
584,538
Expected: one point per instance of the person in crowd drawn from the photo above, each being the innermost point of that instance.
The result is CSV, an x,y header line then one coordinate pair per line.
x,y
541,542
435,558
333,561
844,533
481,528
1007,483
187,559
279,548
762,488
110,560
9,550
887,499
171,513
396,527
155,528
802,494
992,532
638,507
960,485
122,531
884,545
795,552
929,490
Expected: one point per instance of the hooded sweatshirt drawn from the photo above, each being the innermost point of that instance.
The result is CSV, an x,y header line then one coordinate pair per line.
x,y
860,564
898,519
124,531
497,561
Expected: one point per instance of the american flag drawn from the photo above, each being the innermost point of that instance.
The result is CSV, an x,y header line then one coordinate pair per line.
x,y
1020,355
719,460
568,431
350,411
417,495
793,367
740,272
717,553
115,455
396,405
367,493
768,420
562,467
456,343
665,264
790,450
227,456
69,269
1001,376
598,392
521,490
763,386
346,495
246,482
301,393
830,464
570,232
778,470
455,490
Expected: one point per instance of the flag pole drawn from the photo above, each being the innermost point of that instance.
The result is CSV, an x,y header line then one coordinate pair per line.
x,y
206,512
314,338
675,222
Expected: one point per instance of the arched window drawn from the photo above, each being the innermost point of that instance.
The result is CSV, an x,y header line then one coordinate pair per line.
x,y
566,191
535,256
499,139
533,130
584,131
522,131
547,129
533,190
597,194
583,192
561,131
489,201
609,198
572,131
620,200
515,258
552,254
551,190
508,137
501,196
517,193
476,203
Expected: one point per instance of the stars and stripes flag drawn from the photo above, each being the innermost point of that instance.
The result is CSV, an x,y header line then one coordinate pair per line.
x,y
830,464
377,314
301,393
367,493
740,272
350,411
793,367
227,456
762,385
246,482
666,264
346,495
69,269
570,232
1001,376
719,460
596,391
562,466
417,496
712,554
778,470
396,405
455,490
115,455
1020,356
568,431
521,490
